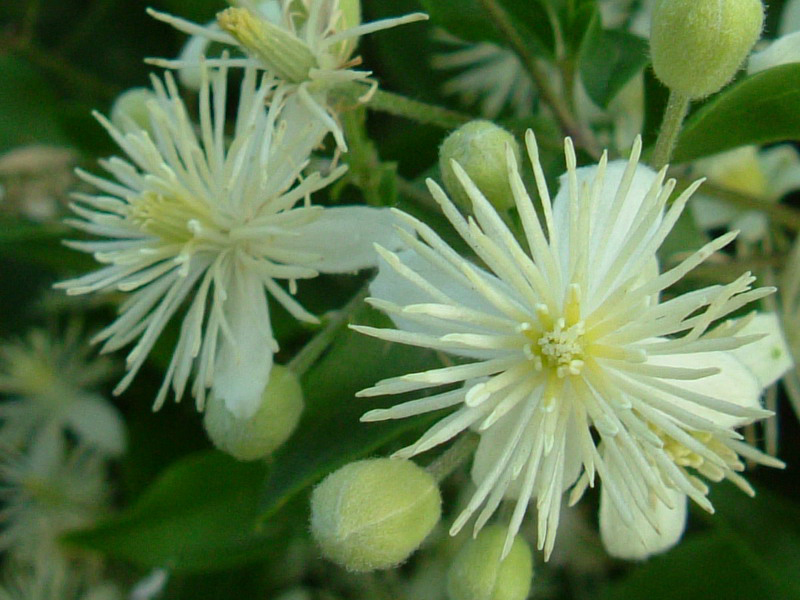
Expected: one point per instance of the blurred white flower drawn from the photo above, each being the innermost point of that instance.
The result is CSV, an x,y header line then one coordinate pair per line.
x,y
47,583
47,491
569,341
307,44
787,305
783,50
195,218
35,179
50,382
490,76
766,174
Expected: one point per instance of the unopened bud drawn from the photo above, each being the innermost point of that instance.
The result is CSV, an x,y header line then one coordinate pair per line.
x,y
372,514
283,53
480,148
271,425
698,45
129,111
477,573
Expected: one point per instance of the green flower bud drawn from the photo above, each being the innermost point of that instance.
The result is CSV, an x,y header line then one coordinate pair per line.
x,y
480,148
372,514
129,110
282,52
477,573
698,45
267,429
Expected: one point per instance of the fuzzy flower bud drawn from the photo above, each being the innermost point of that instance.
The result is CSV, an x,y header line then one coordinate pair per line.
x,y
372,514
271,425
285,54
477,572
479,147
698,45
129,110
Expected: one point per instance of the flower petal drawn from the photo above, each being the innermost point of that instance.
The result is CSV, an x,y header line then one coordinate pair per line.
x,y
492,443
391,286
344,236
638,540
768,358
243,363
97,423
620,227
734,383
782,51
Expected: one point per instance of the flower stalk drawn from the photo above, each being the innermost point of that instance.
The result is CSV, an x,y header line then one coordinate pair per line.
x,y
677,107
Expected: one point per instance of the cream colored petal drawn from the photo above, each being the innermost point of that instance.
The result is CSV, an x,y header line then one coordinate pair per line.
x,y
620,229
782,51
343,238
639,540
768,358
734,383
244,362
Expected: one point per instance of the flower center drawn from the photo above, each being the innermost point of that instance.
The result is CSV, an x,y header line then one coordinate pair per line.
x,y
561,348
168,217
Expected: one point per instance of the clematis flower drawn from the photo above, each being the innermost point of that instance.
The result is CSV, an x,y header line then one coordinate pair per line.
x,y
47,491
768,174
195,219
578,368
50,382
491,76
306,44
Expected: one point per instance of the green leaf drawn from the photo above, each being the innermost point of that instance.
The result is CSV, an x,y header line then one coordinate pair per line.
x,y
198,515
747,520
760,109
751,551
468,20
463,18
608,60
28,106
329,434
702,567
533,23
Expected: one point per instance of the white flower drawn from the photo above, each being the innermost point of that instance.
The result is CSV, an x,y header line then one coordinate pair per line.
x,y
195,218
787,305
50,381
45,492
783,50
491,76
569,341
50,583
307,44
767,174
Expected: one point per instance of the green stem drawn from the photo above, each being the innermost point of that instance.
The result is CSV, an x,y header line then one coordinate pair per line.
x,y
452,458
780,214
677,107
568,123
401,106
311,352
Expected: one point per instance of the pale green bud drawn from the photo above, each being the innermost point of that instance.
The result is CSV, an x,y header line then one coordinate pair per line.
x,y
129,110
283,53
271,425
477,573
480,148
372,514
698,45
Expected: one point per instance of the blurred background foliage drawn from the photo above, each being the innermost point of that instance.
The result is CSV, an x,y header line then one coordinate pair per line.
x,y
225,529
